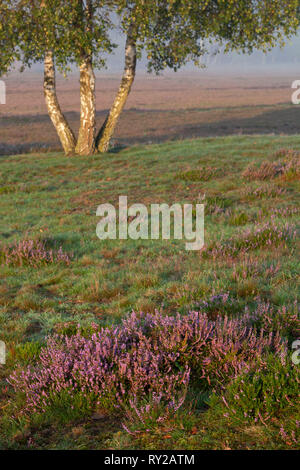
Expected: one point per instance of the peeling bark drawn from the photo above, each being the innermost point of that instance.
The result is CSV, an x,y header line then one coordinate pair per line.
x,y
86,137
106,132
59,121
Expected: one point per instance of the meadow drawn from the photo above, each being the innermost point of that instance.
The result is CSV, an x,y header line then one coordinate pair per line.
x,y
224,377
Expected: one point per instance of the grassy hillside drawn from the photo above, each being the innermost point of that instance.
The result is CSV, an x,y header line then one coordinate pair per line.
x,y
249,262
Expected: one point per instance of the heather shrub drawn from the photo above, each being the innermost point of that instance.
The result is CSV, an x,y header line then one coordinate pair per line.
x,y
291,166
285,211
280,212
252,268
218,305
251,277
269,234
150,413
147,357
263,392
266,170
289,431
217,204
283,153
32,253
263,192
287,168
285,319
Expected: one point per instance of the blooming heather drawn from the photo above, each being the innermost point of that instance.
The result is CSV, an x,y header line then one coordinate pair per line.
x,y
288,166
147,356
263,192
268,234
31,252
285,319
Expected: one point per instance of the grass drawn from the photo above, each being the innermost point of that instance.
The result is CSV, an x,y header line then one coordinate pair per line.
x,y
53,199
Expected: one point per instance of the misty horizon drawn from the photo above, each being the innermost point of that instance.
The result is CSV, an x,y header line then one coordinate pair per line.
x,y
257,61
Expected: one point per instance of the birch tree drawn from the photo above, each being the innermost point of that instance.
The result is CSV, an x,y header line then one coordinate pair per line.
x,y
173,32
61,34
169,33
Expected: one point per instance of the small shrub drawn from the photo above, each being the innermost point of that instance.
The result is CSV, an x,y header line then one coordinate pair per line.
x,y
28,352
263,192
248,288
146,416
284,212
264,392
285,319
31,253
146,281
217,204
68,406
99,291
27,300
146,357
289,431
287,168
249,268
269,234
218,305
266,170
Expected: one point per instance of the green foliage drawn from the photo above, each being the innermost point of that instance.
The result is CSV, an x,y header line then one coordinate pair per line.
x,y
8,36
72,30
245,24
263,393
68,406
28,352
239,218
175,32
171,32
71,328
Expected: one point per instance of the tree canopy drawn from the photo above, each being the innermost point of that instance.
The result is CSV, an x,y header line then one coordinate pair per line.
x,y
170,33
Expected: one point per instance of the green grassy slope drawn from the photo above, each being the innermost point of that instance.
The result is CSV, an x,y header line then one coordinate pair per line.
x,y
54,198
